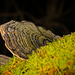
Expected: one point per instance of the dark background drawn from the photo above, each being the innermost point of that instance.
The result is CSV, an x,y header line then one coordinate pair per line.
x,y
55,15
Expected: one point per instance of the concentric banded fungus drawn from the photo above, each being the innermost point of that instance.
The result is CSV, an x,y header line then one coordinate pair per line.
x,y
23,37
3,59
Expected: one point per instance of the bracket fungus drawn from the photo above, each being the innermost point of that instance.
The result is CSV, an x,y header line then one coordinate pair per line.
x,y
21,38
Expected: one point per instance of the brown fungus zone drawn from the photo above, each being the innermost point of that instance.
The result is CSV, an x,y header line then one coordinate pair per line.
x,y
21,38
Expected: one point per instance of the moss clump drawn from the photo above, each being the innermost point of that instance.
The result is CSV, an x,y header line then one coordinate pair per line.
x,y
57,58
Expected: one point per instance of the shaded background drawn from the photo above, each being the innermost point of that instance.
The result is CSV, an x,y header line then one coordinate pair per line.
x,y
55,15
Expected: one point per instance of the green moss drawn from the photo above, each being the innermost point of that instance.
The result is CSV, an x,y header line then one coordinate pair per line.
x,y
57,58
